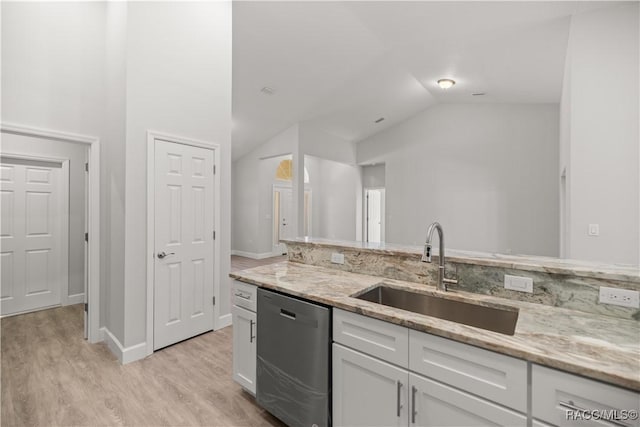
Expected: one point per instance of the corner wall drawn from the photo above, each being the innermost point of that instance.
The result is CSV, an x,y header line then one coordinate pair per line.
x,y
600,143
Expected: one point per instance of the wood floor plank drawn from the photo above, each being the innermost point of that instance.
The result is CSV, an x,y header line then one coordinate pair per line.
x,y
50,376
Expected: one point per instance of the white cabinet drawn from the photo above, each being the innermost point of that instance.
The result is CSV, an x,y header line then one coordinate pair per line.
x,y
564,399
244,335
367,391
393,376
436,404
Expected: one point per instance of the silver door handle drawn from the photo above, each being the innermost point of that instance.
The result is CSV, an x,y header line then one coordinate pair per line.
x,y
162,255
399,404
251,336
414,412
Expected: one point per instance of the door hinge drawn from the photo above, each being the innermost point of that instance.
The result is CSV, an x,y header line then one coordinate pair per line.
x,y
214,169
214,235
86,237
86,167
214,300
86,307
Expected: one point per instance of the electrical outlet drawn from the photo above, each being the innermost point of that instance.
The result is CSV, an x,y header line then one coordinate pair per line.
x,y
337,258
518,283
617,296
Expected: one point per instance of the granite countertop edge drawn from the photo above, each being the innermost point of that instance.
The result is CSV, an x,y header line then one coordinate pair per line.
x,y
535,340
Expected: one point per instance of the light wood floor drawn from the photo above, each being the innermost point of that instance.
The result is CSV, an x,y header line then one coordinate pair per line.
x,y
52,377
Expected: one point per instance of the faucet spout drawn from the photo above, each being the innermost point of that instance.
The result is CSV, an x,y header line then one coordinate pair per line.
x,y
426,256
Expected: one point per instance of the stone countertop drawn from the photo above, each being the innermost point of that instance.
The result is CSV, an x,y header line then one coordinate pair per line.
x,y
521,262
600,347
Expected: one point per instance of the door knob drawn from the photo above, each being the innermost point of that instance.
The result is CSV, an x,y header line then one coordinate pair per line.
x,y
162,254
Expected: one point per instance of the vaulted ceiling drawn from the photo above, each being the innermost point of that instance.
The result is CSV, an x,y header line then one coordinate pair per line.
x,y
343,65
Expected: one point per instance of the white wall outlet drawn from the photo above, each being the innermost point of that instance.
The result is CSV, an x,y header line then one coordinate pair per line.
x,y
337,258
518,283
594,229
617,296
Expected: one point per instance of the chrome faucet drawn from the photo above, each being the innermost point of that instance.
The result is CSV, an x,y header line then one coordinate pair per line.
x,y
426,256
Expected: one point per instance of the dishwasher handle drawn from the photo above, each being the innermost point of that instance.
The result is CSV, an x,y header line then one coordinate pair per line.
x,y
288,314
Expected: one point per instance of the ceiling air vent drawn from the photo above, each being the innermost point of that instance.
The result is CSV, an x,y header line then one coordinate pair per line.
x,y
379,120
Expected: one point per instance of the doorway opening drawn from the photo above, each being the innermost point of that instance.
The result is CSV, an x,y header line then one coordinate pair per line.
x,y
49,241
283,206
374,199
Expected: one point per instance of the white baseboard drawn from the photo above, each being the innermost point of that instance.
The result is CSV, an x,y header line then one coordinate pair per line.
x,y
124,354
255,255
224,321
75,299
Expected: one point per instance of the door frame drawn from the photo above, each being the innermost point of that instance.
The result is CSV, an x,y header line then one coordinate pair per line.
x,y
64,231
93,218
152,137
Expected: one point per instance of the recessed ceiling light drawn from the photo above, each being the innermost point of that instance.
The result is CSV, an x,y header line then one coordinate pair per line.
x,y
267,90
478,94
379,120
446,83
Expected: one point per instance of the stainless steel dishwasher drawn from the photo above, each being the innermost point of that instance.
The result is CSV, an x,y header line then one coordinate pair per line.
x,y
293,360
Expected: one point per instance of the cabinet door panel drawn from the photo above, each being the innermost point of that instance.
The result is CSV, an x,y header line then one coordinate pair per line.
x,y
367,391
244,348
437,404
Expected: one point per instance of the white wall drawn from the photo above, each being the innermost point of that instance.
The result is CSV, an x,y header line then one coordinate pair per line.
x,y
336,198
53,62
600,134
252,180
113,169
486,172
316,142
373,176
76,153
178,82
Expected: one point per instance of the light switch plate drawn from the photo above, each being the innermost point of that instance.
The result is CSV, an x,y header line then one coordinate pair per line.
x,y
518,283
617,296
337,258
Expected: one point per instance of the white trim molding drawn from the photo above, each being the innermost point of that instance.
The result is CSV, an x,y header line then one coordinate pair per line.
x,y
93,217
152,137
75,299
224,321
124,354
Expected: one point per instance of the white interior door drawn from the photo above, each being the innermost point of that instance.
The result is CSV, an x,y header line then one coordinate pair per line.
x,y
33,261
184,247
283,217
374,212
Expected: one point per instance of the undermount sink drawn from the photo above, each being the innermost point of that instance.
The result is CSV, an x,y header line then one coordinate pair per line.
x,y
489,318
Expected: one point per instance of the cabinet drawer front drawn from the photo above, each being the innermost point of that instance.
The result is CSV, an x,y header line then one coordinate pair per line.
x,y
493,376
244,295
372,336
558,397
437,404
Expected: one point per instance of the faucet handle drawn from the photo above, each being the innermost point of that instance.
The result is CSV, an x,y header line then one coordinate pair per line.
x,y
446,282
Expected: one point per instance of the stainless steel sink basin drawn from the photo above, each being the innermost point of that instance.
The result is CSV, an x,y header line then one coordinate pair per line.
x,y
489,318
